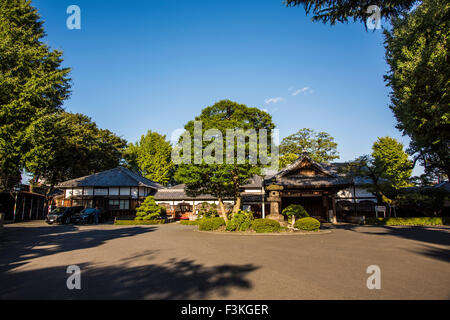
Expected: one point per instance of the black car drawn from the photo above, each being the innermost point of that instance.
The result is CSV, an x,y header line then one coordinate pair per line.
x,y
62,214
87,216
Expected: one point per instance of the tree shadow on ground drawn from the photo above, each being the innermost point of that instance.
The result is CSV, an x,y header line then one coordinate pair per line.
x,y
19,244
174,279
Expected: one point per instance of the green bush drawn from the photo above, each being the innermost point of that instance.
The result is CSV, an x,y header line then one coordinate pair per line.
x,y
137,222
210,224
190,222
207,210
421,221
265,225
149,210
308,224
240,221
295,210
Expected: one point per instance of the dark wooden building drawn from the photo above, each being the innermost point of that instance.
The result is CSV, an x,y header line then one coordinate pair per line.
x,y
307,183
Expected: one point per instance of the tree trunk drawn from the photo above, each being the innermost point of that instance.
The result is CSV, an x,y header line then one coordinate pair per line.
x,y
222,208
293,221
237,205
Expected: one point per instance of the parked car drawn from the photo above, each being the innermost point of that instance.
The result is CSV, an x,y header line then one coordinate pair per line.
x,y
62,214
87,216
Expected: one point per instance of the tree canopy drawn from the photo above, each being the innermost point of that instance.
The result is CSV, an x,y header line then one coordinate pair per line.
x,y
64,146
332,11
385,171
151,157
417,54
319,145
223,179
33,84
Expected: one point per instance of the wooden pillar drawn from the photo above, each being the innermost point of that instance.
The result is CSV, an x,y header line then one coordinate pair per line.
x,y
31,207
333,217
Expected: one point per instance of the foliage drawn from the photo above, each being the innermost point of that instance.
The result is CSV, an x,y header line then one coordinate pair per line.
x,y
423,221
32,82
307,224
332,11
295,210
63,146
137,222
240,221
149,210
207,210
386,170
151,157
320,147
424,201
417,54
190,222
266,225
223,180
211,224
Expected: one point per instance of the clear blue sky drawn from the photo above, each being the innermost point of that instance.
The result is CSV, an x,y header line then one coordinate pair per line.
x,y
139,65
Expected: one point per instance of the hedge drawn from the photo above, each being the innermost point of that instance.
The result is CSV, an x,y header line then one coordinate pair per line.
x,y
190,222
210,224
137,222
308,224
265,225
421,221
240,221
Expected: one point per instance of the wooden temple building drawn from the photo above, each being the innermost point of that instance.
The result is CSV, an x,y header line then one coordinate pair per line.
x,y
315,186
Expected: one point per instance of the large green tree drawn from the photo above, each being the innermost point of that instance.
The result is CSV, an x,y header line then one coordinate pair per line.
x,y
224,178
319,145
417,51
332,11
33,83
386,170
64,146
151,156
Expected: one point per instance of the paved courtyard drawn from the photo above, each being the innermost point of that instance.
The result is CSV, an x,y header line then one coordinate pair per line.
x,y
176,262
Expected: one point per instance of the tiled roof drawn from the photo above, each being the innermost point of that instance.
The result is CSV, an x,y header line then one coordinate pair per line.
x,y
117,177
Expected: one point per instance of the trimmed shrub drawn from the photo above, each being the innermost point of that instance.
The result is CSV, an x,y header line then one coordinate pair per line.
x,y
190,222
210,224
295,210
308,224
240,221
207,210
423,221
137,222
149,210
265,225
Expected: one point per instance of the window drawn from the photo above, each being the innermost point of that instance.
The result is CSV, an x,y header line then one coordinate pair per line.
x,y
119,204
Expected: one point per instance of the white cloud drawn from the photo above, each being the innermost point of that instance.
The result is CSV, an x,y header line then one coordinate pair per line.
x,y
304,90
273,100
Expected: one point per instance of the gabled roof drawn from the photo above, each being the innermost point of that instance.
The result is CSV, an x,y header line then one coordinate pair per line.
x,y
117,177
297,164
290,177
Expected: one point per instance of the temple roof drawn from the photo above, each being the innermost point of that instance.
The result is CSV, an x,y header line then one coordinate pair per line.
x,y
307,173
117,177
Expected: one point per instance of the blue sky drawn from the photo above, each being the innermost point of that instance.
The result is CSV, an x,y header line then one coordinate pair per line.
x,y
139,65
